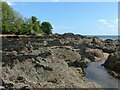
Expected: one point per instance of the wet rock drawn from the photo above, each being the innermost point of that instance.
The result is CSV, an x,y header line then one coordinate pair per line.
x,y
114,74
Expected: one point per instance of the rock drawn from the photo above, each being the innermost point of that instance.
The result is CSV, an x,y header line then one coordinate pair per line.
x,y
47,62
9,85
53,80
2,84
109,49
64,54
21,86
108,40
114,74
76,63
14,53
43,66
68,34
113,62
97,41
45,54
2,88
25,88
110,46
20,79
45,43
96,52
89,56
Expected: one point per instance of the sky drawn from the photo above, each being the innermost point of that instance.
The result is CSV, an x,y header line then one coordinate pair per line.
x,y
86,18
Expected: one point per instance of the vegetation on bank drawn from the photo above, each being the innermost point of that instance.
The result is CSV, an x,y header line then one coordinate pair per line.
x,y
14,23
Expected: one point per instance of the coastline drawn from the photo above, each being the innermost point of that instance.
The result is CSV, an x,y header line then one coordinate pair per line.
x,y
51,55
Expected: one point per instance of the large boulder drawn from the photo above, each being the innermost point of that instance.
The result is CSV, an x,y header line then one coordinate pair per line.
x,y
65,54
110,46
95,52
97,41
113,64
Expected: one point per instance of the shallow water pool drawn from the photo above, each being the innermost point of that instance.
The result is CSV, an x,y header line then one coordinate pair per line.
x,y
99,74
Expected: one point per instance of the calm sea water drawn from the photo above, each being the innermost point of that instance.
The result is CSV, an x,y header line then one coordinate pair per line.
x,y
109,37
105,37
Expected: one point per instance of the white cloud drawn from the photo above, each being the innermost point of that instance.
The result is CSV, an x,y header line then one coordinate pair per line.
x,y
110,26
103,21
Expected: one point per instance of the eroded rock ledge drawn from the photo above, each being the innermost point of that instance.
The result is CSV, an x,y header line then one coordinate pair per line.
x,y
55,61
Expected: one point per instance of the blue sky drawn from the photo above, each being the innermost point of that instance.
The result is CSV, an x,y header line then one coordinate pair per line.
x,y
86,18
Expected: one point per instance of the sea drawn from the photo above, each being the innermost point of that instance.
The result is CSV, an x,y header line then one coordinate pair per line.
x,y
105,37
109,37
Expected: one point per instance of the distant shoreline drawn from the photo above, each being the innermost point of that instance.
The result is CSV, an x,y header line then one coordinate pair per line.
x,y
103,37
60,34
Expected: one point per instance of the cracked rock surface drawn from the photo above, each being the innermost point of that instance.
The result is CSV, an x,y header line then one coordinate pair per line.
x,y
49,62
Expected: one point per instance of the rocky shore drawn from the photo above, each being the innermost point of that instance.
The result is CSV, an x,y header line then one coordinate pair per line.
x,y
54,61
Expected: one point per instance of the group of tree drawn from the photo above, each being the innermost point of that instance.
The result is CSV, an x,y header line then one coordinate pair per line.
x,y
13,23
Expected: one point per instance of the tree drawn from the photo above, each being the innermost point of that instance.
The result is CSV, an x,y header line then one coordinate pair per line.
x,y
7,18
13,23
46,27
19,25
34,25
34,19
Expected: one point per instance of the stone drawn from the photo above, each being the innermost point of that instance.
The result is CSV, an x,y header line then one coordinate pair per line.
x,y
113,63
45,54
96,52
